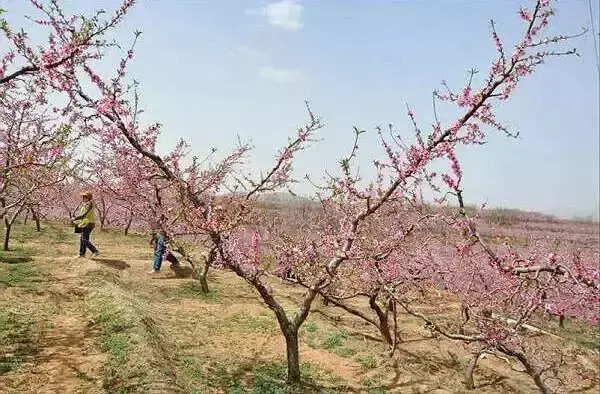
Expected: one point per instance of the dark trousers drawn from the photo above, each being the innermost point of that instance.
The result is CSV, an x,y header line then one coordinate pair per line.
x,y
84,241
159,251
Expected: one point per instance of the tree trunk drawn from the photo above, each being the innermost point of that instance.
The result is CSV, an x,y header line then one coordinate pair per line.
x,y
200,271
26,217
7,228
469,381
384,325
128,224
293,356
201,276
36,218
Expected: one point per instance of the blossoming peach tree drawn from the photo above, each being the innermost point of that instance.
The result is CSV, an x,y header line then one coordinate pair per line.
x,y
359,230
36,148
242,238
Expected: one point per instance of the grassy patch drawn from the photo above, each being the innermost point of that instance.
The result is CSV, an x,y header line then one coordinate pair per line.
x,y
115,345
16,340
251,323
581,333
191,291
249,377
270,377
19,275
138,354
335,339
311,327
338,342
367,362
16,255
115,339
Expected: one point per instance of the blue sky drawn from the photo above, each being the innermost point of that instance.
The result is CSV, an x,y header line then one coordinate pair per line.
x,y
211,70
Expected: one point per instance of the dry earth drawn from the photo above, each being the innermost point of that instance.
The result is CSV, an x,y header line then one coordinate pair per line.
x,y
71,325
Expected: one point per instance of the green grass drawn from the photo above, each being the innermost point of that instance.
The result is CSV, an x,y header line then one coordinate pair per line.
x,y
16,340
335,339
269,379
367,362
24,275
16,255
14,327
251,323
311,327
191,291
115,339
338,342
247,378
115,344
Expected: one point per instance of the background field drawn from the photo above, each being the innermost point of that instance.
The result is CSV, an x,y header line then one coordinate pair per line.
x,y
105,325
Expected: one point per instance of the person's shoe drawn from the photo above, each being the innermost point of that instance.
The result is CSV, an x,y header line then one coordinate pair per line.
x,y
96,254
154,272
81,256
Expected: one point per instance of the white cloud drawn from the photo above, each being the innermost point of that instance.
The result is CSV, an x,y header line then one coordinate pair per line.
x,y
279,75
286,14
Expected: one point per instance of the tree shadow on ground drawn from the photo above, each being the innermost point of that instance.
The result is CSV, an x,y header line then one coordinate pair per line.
x,y
15,259
112,263
179,271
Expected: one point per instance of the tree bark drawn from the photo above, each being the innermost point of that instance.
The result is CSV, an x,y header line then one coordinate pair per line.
x,y
7,228
469,381
384,325
293,355
381,323
530,369
200,272
36,218
128,224
203,272
201,276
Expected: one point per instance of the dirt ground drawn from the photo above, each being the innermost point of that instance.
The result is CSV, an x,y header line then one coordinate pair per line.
x,y
70,325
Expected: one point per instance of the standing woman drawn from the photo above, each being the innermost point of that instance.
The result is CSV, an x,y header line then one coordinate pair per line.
x,y
84,223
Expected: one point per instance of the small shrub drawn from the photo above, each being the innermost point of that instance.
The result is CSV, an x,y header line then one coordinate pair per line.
x,y
115,344
335,339
367,362
311,327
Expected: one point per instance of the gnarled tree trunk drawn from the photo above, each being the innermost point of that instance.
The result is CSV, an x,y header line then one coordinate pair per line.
x,y
36,218
469,381
7,229
128,224
290,332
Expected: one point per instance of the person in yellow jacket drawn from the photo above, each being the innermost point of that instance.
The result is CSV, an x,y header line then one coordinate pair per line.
x,y
84,223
